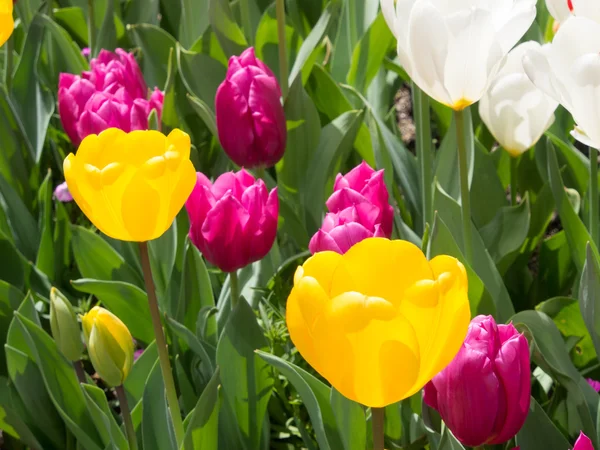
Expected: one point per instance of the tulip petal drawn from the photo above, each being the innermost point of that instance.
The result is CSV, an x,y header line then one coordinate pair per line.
x,y
140,208
583,442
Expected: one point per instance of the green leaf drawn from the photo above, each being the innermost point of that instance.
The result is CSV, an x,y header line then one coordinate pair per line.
x,y
227,30
12,419
351,421
205,352
156,44
194,21
10,299
162,253
12,270
539,431
96,259
125,300
135,382
107,36
45,260
316,398
157,428
73,20
142,11
245,377
107,427
589,296
213,73
206,114
202,428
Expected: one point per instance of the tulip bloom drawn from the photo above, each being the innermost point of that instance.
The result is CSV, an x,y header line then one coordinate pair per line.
x,y
64,326
567,70
7,23
583,443
379,321
483,396
234,220
452,50
110,72
110,345
515,111
131,185
250,117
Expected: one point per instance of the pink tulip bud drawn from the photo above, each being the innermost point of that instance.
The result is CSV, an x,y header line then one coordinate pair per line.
x,y
363,185
583,443
483,395
234,220
62,194
250,117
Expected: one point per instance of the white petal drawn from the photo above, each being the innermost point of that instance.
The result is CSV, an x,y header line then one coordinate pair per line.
x,y
587,8
514,60
578,36
580,135
537,67
516,23
558,9
388,8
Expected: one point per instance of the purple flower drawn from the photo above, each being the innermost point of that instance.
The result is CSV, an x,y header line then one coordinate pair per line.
x,y
62,194
594,384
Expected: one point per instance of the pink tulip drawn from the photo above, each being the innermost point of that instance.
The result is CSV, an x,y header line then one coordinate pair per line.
x,y
583,443
112,71
342,230
483,395
73,94
250,117
62,194
234,220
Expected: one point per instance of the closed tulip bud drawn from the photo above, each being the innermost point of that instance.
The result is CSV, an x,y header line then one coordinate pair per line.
x,y
7,23
567,71
379,321
234,220
341,231
483,395
250,117
64,326
131,185
363,185
110,345
583,443
515,111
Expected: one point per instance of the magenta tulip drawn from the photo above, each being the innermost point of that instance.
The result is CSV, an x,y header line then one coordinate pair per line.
x,y
250,117
483,395
583,443
234,220
73,94
113,71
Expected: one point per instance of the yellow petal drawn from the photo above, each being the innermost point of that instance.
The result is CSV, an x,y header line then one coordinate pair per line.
x,y
181,142
140,209
6,20
321,267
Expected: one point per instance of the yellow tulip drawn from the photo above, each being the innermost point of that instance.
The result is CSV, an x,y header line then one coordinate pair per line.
x,y
6,20
110,345
131,185
379,321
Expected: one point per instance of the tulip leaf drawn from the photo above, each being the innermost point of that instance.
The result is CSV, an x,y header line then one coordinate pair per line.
x,y
157,428
190,64
12,270
245,377
156,44
206,114
315,396
577,166
539,431
350,418
194,21
205,352
107,427
96,259
107,36
125,300
162,252
10,299
589,296
135,382
227,30
142,11
45,261
12,420
202,424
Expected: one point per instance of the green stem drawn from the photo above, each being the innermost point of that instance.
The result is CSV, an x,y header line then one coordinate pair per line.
x,y
593,194
463,170
260,172
513,180
91,28
424,152
161,345
8,72
246,23
283,68
78,366
377,420
234,289
126,413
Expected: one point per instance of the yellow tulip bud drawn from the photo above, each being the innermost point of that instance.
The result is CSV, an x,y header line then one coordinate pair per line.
x,y
110,345
131,185
64,326
379,321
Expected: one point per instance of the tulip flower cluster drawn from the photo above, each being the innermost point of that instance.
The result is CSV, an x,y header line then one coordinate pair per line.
x,y
358,209
112,94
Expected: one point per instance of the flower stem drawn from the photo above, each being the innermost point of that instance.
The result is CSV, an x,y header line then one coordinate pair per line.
x,y
513,180
78,366
594,194
463,170
283,68
377,420
91,28
234,289
424,155
246,23
161,345
129,430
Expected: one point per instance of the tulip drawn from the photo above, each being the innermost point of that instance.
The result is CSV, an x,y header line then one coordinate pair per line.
x,y
379,321
62,194
452,50
73,94
250,117
7,23
131,185
483,395
594,384
110,345
113,71
583,442
234,220
561,10
64,326
515,111
567,70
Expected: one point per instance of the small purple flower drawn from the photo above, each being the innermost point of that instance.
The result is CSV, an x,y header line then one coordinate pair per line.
x,y
62,194
137,354
86,52
594,384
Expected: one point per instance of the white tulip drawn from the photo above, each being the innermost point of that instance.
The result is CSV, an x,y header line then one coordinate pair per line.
x,y
561,10
569,71
453,48
515,111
